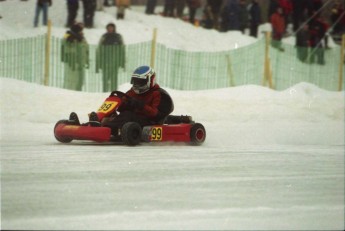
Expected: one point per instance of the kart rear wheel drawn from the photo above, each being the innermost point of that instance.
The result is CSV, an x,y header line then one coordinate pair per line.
x,y
131,133
62,139
197,134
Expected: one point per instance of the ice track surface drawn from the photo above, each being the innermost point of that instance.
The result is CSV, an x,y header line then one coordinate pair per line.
x,y
271,160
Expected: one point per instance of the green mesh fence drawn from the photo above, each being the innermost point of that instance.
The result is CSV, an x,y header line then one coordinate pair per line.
x,y
23,59
289,70
95,69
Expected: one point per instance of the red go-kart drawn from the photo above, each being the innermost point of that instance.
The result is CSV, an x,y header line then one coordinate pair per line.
x,y
173,128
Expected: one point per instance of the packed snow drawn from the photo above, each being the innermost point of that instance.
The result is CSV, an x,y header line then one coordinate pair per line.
x,y
272,160
137,27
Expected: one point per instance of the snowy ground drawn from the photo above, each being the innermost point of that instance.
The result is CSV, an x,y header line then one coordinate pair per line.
x,y
271,160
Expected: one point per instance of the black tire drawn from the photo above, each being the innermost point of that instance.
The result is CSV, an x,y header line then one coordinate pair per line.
x,y
131,133
197,134
62,139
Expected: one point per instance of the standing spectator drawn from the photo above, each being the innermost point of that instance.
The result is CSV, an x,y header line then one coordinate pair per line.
x,y
286,6
318,39
42,5
298,14
255,18
121,6
75,55
230,15
302,43
207,18
150,6
72,10
243,16
89,12
278,28
180,5
215,9
169,7
110,57
338,18
193,5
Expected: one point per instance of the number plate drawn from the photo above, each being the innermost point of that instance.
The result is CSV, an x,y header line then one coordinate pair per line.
x,y
156,133
107,106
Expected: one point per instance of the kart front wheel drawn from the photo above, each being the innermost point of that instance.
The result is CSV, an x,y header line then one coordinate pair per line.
x,y
131,133
62,139
197,134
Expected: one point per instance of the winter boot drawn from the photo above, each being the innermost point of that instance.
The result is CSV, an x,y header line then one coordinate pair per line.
x,y
93,120
73,118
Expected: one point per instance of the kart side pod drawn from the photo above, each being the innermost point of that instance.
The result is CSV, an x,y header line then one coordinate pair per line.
x,y
191,133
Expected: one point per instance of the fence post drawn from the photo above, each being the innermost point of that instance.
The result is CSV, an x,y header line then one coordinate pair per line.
x,y
341,65
153,48
47,54
267,64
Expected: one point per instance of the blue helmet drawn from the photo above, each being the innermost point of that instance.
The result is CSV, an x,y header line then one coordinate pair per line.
x,y
143,79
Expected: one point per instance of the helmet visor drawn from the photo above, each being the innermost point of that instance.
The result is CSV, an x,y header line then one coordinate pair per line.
x,y
139,85
138,81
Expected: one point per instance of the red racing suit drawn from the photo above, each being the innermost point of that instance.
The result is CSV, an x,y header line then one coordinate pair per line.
x,y
157,103
154,106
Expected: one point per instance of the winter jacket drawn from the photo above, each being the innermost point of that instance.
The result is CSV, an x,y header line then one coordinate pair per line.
x,y
75,50
318,31
231,15
215,5
110,52
278,25
302,38
255,13
157,103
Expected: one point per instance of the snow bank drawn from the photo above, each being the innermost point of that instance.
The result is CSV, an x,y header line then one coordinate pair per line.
x,y
303,114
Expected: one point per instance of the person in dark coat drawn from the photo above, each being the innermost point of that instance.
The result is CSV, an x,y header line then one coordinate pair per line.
x,y
150,6
89,12
337,18
72,10
298,14
302,43
148,103
255,17
230,16
42,5
75,55
318,39
215,6
243,16
110,57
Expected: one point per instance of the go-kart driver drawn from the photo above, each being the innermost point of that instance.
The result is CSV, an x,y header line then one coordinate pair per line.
x,y
147,103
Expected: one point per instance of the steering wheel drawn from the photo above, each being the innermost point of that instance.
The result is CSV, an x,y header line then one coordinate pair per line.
x,y
119,94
